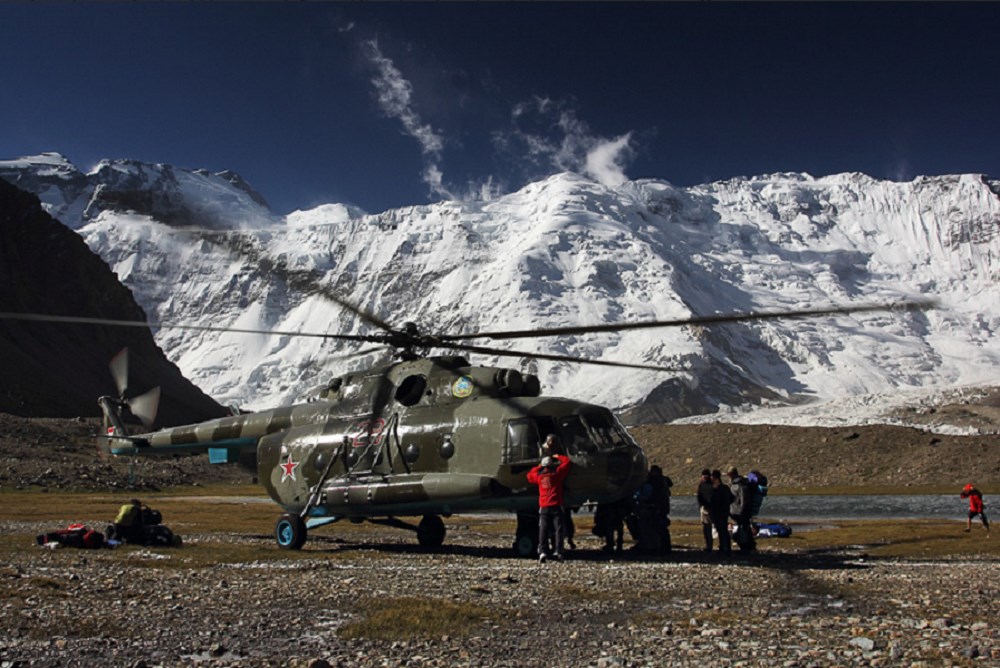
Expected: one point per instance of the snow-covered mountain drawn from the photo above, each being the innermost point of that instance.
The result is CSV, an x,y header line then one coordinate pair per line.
x,y
170,195
565,251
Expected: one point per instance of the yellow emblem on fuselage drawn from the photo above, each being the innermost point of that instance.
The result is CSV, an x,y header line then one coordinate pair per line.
x,y
462,387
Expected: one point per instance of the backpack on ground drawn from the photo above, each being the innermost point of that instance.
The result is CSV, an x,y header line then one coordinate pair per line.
x,y
75,535
758,485
150,516
158,535
774,530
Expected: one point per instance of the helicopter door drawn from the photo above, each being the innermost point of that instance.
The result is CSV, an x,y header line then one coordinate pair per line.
x,y
524,436
522,441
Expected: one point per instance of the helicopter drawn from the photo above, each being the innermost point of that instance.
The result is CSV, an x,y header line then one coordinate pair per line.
x,y
442,437
425,435
421,436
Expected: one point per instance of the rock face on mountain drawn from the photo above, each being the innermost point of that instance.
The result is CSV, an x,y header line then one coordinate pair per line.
x,y
171,195
566,252
59,370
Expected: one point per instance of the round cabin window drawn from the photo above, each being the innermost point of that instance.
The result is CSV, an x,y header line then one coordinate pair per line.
x,y
411,389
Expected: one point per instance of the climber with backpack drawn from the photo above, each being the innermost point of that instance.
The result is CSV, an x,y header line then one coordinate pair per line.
x,y
758,485
741,509
138,524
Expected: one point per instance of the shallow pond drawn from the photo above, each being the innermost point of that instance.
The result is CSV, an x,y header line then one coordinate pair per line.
x,y
845,507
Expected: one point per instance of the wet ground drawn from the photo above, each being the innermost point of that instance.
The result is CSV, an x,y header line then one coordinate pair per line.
x,y
845,507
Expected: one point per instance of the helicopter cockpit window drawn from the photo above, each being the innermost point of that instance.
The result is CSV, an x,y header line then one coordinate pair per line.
x,y
575,436
592,432
522,441
605,430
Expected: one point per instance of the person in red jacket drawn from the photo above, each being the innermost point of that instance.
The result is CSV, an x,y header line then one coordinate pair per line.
x,y
976,507
550,476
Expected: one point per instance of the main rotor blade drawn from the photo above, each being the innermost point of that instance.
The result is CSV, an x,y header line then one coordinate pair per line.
x,y
43,317
551,356
297,279
324,362
695,320
119,371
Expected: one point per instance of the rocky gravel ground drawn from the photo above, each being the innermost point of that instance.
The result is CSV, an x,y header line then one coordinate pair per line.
x,y
473,605
62,454
372,598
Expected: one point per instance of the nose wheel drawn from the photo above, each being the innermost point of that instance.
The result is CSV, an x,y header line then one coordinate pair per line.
x,y
430,531
290,532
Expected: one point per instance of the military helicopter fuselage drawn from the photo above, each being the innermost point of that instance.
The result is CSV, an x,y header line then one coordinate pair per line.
x,y
426,437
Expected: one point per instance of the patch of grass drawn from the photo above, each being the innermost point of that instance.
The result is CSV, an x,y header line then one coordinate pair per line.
x,y
37,586
937,657
680,617
908,539
865,490
579,593
207,554
45,583
411,618
874,490
236,527
913,539
720,617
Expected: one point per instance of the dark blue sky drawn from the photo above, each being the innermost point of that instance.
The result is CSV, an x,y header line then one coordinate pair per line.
x,y
384,104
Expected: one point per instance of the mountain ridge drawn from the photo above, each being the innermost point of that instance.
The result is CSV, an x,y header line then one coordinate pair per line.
x,y
59,370
567,251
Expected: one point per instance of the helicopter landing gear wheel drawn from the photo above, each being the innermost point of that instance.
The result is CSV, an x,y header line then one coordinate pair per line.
x,y
290,532
526,545
431,531
526,538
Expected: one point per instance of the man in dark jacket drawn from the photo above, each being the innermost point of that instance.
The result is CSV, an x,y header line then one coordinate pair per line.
x,y
550,476
653,509
719,502
741,508
704,494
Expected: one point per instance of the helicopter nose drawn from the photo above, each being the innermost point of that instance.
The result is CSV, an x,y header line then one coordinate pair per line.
x,y
639,470
627,471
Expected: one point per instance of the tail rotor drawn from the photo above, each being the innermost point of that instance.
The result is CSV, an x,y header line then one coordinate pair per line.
x,y
119,371
143,406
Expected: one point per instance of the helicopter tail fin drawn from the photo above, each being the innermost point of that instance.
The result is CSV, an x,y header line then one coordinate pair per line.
x,y
114,426
113,423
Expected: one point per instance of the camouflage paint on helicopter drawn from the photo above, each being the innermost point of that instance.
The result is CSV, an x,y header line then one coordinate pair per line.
x,y
425,437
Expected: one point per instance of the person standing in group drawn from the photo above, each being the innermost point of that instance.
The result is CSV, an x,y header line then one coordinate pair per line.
x,y
550,476
609,523
663,524
569,527
741,508
719,502
704,494
551,446
653,509
976,507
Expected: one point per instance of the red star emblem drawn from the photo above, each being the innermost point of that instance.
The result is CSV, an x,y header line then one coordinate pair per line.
x,y
288,469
